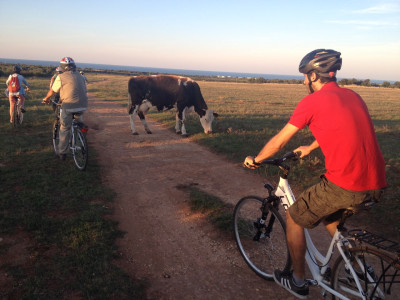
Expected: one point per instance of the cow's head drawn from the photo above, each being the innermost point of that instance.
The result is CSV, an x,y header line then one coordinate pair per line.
x,y
207,119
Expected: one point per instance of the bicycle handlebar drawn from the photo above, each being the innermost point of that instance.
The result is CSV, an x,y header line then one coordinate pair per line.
x,y
279,161
53,102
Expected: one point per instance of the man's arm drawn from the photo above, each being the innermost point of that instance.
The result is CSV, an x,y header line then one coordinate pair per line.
x,y
55,88
49,94
306,150
274,145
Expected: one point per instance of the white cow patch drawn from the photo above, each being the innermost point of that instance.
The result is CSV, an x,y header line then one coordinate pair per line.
x,y
145,106
206,121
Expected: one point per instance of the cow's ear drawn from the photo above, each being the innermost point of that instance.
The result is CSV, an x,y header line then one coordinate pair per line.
x,y
216,115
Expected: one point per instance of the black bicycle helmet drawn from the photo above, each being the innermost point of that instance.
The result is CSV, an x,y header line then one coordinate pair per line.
x,y
17,69
321,61
67,64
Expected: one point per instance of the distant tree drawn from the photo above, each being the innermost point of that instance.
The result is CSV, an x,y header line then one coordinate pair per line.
x,y
397,84
366,82
386,84
356,81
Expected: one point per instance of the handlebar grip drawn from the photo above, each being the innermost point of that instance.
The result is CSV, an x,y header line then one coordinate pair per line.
x,y
298,153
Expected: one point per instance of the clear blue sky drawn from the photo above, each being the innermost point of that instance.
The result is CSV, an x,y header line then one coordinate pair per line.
x,y
256,36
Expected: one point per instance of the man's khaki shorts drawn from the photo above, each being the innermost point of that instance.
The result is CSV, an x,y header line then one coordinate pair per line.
x,y
323,200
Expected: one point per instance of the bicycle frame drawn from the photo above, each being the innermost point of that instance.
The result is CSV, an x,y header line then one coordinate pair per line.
x,y
313,255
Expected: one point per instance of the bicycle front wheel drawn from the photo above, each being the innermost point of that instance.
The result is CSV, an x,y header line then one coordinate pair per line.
x,y
260,234
80,150
56,135
377,273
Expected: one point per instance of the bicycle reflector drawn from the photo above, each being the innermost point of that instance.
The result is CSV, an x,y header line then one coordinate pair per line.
x,y
84,129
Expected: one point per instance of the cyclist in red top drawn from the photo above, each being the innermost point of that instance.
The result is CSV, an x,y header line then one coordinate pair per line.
x,y
355,169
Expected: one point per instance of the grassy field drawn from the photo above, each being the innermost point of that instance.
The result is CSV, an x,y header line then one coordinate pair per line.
x,y
57,238
252,113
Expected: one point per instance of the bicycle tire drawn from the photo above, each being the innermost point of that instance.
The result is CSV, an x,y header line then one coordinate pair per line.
x,y
379,275
263,250
56,135
20,115
80,150
15,114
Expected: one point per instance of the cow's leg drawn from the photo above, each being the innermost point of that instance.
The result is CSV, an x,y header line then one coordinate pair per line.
x,y
183,119
132,120
143,120
143,109
178,124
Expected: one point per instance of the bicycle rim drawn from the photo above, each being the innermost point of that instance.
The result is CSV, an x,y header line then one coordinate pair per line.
x,y
264,249
56,135
378,274
15,115
80,150
20,116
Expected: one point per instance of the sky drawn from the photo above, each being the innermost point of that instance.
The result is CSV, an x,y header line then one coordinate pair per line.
x,y
252,36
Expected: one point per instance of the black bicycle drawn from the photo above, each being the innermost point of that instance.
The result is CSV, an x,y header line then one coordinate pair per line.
x,y
77,140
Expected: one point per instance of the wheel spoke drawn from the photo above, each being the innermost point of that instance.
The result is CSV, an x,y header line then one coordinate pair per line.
x,y
376,272
80,150
261,242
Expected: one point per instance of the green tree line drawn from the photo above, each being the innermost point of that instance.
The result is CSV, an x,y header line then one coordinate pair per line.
x,y
47,71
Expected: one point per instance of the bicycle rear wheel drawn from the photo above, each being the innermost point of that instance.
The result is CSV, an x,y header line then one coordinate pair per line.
x,y
20,115
80,150
260,234
378,274
14,119
56,135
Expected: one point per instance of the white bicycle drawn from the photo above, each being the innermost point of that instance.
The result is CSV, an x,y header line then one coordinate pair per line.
x,y
367,266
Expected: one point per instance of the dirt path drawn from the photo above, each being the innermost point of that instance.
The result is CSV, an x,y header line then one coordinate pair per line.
x,y
177,251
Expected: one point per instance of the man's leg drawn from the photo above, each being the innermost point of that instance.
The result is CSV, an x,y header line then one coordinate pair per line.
x,y
295,282
21,102
12,99
331,227
65,129
297,246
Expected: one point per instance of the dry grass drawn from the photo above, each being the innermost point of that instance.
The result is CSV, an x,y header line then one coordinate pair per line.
x,y
250,114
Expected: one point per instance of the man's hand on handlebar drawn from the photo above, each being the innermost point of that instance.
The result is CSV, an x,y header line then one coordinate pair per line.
x,y
250,163
303,151
46,100
306,150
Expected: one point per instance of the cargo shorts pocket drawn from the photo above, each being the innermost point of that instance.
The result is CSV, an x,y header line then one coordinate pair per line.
x,y
302,215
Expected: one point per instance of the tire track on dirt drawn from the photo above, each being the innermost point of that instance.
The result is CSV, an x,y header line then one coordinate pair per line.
x,y
176,250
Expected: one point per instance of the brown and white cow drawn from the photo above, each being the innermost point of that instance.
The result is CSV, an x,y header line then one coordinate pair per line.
x,y
166,92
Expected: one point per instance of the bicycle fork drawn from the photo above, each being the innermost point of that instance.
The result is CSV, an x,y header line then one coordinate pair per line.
x,y
263,229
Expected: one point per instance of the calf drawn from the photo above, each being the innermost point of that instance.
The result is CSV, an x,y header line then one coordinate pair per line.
x,y
166,92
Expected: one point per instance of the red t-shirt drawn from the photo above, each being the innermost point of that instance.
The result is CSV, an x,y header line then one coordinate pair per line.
x,y
341,124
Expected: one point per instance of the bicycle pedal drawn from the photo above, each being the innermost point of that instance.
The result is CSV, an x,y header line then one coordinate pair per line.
x,y
312,282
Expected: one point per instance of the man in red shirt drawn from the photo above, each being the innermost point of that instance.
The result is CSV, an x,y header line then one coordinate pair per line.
x,y
355,169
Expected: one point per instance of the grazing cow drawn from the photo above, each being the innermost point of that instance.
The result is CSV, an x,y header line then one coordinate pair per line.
x,y
166,92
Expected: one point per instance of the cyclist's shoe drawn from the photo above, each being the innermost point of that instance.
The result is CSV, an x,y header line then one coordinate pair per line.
x,y
361,275
23,110
286,281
